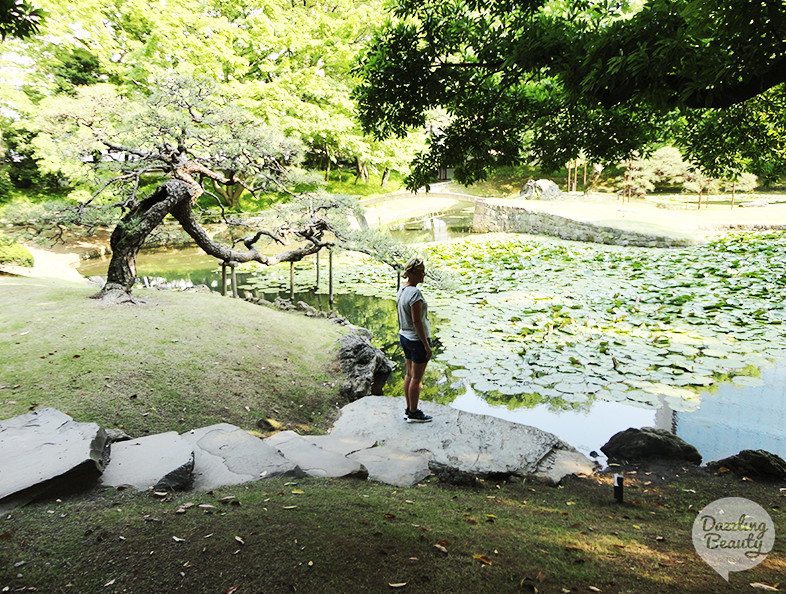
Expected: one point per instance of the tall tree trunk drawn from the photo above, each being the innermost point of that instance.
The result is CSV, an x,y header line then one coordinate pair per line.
x,y
385,176
327,167
575,174
567,185
585,174
733,190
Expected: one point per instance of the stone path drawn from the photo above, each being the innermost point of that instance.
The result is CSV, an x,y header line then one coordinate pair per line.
x,y
45,452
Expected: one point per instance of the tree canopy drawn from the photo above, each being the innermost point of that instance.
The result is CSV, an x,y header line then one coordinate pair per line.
x,y
546,80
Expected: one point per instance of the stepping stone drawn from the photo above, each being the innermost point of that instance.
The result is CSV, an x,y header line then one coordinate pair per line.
x,y
312,459
470,443
226,455
393,466
340,445
162,461
46,450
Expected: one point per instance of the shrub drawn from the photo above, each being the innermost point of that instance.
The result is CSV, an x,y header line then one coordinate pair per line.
x,y
14,253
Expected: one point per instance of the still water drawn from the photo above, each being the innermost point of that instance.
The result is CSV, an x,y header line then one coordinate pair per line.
x,y
728,420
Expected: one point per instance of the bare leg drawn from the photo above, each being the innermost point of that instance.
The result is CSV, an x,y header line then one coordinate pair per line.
x,y
412,383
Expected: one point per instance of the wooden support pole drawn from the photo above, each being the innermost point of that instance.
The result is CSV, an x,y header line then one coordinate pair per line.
x,y
234,279
330,277
316,282
224,279
292,281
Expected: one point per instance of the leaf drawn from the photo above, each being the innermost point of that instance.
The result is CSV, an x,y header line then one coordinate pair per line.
x,y
594,589
298,491
110,582
178,539
232,589
397,585
290,506
440,548
226,499
240,540
483,559
763,586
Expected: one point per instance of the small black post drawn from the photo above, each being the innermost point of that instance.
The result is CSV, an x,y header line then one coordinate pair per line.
x,y
618,487
292,281
316,283
224,279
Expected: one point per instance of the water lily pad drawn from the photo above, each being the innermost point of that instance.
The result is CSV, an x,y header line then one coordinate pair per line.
x,y
748,382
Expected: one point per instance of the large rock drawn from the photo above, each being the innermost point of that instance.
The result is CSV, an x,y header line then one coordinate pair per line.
x,y
365,367
543,189
468,443
163,462
46,451
226,455
649,443
312,459
757,464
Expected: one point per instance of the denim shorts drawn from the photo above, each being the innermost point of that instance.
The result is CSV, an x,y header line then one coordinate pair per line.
x,y
414,350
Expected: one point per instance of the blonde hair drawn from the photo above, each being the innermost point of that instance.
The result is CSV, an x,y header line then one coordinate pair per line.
x,y
410,266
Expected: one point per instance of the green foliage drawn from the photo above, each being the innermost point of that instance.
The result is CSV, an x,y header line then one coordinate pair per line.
x,y
6,187
548,81
19,18
76,68
14,253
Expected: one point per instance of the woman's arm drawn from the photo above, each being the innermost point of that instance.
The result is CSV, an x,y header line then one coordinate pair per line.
x,y
417,312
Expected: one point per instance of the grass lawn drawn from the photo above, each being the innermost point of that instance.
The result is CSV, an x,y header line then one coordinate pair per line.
x,y
187,360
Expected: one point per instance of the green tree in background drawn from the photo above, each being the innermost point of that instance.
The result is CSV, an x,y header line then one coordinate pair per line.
x,y
545,81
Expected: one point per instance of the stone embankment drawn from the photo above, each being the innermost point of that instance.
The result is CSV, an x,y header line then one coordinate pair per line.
x,y
520,218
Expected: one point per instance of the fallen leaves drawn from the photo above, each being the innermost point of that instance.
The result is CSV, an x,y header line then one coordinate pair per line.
x,y
397,584
483,559
765,587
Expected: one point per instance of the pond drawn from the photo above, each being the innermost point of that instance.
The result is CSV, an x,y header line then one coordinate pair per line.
x,y
581,340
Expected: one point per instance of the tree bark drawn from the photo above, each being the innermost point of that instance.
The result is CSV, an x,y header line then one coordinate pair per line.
x,y
385,176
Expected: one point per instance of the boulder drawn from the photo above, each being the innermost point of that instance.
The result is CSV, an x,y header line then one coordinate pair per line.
x,y
459,443
163,462
543,189
649,443
46,451
365,367
226,455
757,464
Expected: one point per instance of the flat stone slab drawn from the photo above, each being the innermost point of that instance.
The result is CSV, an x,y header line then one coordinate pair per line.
x,y
162,461
393,466
44,447
227,455
471,443
340,445
312,459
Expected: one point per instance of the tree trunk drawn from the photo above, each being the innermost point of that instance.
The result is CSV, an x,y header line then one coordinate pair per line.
x,y
575,174
567,185
733,190
131,232
385,177
585,174
175,197
327,167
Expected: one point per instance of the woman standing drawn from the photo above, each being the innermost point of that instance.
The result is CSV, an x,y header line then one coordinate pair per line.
x,y
414,334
